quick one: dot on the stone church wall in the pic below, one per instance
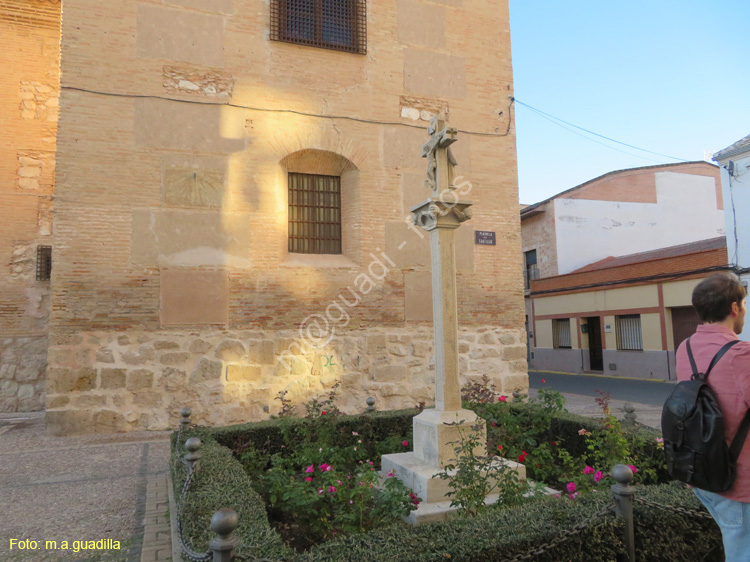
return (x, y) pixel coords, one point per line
(179, 124)
(110, 381)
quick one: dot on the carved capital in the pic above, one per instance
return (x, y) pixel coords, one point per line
(433, 213)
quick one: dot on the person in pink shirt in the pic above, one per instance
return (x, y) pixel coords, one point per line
(719, 301)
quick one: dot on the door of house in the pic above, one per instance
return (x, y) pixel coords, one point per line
(684, 323)
(596, 360)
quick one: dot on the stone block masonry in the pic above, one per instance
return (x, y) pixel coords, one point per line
(121, 381)
(22, 366)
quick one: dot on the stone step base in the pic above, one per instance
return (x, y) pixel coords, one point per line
(442, 510)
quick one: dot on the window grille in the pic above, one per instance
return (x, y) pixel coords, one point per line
(561, 333)
(531, 272)
(331, 24)
(628, 329)
(314, 214)
(43, 263)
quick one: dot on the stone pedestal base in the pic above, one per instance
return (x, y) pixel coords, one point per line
(437, 433)
(422, 480)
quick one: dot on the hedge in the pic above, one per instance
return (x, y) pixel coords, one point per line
(661, 535)
(270, 433)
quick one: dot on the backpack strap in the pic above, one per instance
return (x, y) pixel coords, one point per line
(719, 354)
(739, 438)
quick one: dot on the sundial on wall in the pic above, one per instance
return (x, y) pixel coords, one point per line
(193, 188)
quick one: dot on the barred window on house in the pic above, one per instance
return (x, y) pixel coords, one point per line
(628, 331)
(43, 263)
(314, 214)
(330, 24)
(561, 333)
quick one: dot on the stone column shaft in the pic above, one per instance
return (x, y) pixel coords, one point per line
(445, 319)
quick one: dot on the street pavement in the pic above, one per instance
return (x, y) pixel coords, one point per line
(642, 391)
(646, 396)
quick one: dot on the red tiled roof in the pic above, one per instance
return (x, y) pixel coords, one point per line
(661, 253)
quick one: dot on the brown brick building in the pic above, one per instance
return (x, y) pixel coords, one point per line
(233, 179)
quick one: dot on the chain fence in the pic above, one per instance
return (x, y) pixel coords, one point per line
(681, 510)
(572, 532)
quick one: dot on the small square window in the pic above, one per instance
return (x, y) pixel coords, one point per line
(628, 331)
(331, 24)
(43, 263)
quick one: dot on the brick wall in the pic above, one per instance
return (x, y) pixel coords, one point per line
(29, 41)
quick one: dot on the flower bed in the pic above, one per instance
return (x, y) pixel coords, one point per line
(224, 480)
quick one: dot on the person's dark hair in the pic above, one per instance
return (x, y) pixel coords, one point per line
(713, 297)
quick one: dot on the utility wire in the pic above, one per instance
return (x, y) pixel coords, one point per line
(557, 119)
(543, 116)
(274, 110)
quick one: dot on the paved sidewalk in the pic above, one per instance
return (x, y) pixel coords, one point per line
(98, 487)
(586, 406)
(81, 488)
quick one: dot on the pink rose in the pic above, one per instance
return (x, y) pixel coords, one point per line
(310, 468)
(598, 476)
(332, 489)
(571, 487)
(325, 467)
(405, 443)
(633, 468)
(588, 470)
(502, 398)
(308, 479)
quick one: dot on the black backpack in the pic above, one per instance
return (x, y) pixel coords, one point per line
(693, 429)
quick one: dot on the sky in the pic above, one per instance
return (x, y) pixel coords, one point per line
(669, 76)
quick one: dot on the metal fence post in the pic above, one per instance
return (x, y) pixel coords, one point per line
(630, 415)
(624, 494)
(223, 523)
(185, 420)
(193, 456)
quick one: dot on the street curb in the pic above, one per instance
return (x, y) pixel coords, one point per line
(176, 550)
(599, 376)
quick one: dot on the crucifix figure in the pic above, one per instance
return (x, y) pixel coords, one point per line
(440, 160)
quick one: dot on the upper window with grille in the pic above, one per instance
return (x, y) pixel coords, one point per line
(314, 214)
(628, 331)
(330, 24)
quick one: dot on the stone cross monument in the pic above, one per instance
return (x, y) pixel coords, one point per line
(436, 429)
